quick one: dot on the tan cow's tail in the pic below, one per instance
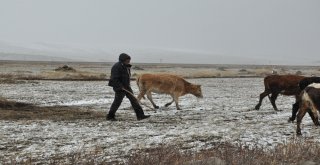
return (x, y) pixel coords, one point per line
(266, 86)
(138, 81)
(139, 84)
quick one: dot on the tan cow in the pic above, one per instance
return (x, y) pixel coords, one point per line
(173, 85)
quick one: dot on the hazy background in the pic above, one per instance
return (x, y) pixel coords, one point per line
(169, 31)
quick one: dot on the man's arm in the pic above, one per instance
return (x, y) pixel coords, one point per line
(117, 77)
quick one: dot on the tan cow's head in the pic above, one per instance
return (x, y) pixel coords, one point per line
(196, 91)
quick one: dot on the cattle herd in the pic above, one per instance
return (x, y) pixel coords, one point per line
(305, 89)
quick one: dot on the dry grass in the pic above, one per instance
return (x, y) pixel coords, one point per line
(11, 110)
(52, 75)
(6, 104)
(294, 152)
(79, 75)
(71, 74)
(7, 79)
(261, 71)
(18, 77)
(80, 158)
(10, 81)
(65, 68)
(101, 71)
(61, 73)
(205, 73)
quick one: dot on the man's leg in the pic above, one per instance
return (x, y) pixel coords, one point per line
(136, 106)
(115, 105)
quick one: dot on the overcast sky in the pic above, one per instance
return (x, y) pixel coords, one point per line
(244, 28)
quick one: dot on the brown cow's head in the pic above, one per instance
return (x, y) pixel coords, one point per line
(196, 91)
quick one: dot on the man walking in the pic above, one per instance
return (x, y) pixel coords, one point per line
(120, 81)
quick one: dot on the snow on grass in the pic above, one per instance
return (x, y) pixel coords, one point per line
(224, 114)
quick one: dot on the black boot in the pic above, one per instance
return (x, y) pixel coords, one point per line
(111, 118)
(143, 117)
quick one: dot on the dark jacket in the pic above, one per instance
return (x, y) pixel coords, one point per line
(120, 76)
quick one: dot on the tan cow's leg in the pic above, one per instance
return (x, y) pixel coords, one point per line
(141, 95)
(176, 100)
(149, 96)
(168, 104)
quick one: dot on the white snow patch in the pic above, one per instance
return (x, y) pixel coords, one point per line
(224, 114)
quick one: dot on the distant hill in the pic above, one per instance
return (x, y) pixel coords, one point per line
(50, 52)
(161, 55)
(173, 56)
(25, 57)
(67, 52)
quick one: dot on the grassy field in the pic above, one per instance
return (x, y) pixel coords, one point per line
(11, 110)
(294, 151)
(13, 70)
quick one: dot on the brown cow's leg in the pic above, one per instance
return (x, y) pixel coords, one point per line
(273, 99)
(301, 113)
(149, 96)
(295, 108)
(262, 96)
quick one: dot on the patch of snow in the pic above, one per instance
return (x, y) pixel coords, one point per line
(225, 114)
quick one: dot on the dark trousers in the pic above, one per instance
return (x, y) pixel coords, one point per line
(119, 95)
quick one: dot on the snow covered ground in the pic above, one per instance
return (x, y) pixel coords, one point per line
(225, 114)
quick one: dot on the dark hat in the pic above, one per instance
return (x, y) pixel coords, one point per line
(123, 57)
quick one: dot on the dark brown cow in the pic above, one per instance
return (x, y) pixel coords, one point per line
(307, 81)
(309, 102)
(173, 85)
(281, 84)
